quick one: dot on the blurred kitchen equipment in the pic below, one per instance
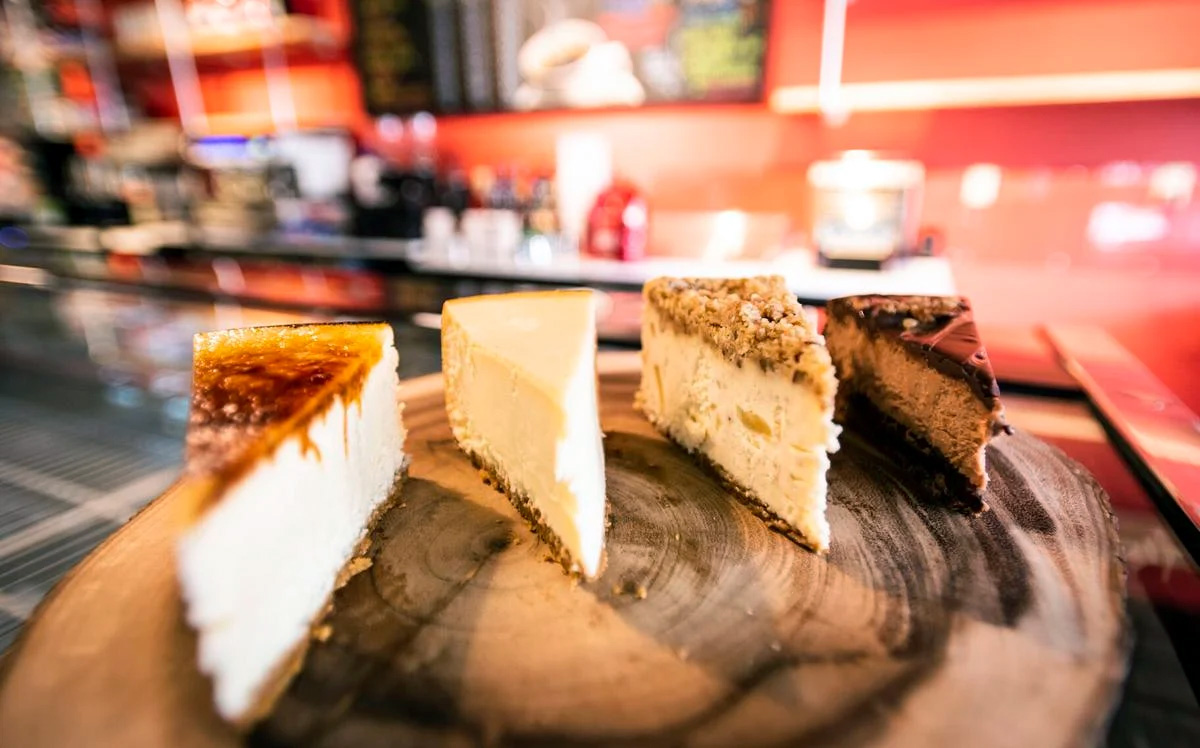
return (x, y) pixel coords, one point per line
(866, 209)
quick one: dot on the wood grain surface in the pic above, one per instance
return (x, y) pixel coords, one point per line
(921, 627)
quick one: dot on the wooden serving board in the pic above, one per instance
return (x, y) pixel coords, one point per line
(921, 627)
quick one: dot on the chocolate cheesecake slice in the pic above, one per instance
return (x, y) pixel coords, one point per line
(914, 378)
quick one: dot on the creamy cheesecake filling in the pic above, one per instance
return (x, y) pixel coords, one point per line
(770, 434)
(579, 458)
(541, 437)
(258, 566)
(944, 410)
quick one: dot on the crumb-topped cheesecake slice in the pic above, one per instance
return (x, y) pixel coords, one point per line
(735, 373)
(520, 373)
(915, 378)
(294, 445)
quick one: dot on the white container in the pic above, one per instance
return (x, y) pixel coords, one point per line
(492, 236)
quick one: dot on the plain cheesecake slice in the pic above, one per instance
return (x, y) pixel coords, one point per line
(294, 446)
(914, 378)
(735, 373)
(520, 373)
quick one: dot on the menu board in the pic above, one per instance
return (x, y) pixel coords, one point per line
(393, 54)
(519, 55)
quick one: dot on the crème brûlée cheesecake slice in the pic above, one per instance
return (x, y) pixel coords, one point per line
(295, 445)
(915, 379)
(735, 373)
(520, 373)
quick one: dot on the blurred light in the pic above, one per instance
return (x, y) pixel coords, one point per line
(852, 171)
(728, 235)
(176, 409)
(391, 127)
(125, 396)
(1113, 224)
(634, 215)
(604, 304)
(12, 237)
(584, 168)
(540, 252)
(859, 211)
(165, 384)
(229, 275)
(829, 86)
(980, 186)
(427, 320)
(990, 91)
(219, 150)
(862, 170)
(259, 148)
(1121, 174)
(1173, 182)
(424, 126)
(24, 276)
(227, 314)
(185, 78)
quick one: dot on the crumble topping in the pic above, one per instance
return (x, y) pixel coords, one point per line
(747, 319)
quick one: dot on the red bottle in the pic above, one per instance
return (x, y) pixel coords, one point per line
(617, 225)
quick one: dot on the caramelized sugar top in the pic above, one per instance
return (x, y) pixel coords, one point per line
(254, 387)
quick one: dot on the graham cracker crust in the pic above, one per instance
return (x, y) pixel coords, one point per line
(935, 479)
(290, 665)
(531, 514)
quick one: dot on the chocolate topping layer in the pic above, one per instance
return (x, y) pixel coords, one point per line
(939, 329)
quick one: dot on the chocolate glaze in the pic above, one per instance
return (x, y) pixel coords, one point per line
(939, 329)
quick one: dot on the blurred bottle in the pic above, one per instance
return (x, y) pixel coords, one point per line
(389, 201)
(616, 227)
(453, 191)
(415, 182)
(504, 191)
(414, 189)
(370, 200)
(390, 197)
(482, 179)
(541, 217)
(492, 226)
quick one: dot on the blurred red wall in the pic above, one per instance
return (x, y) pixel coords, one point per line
(1025, 260)
(748, 157)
